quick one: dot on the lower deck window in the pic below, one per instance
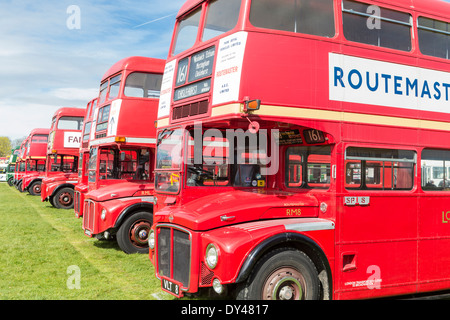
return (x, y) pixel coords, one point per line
(435, 166)
(379, 169)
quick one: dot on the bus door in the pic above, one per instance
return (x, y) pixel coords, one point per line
(434, 220)
(377, 226)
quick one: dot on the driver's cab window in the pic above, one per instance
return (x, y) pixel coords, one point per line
(217, 162)
(308, 167)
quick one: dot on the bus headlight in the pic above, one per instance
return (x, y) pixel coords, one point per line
(103, 215)
(151, 240)
(211, 256)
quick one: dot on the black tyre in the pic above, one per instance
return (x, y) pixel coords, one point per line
(283, 274)
(35, 188)
(10, 182)
(63, 199)
(132, 235)
(19, 186)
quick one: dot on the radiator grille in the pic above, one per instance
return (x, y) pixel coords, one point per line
(174, 254)
(76, 206)
(190, 110)
(89, 215)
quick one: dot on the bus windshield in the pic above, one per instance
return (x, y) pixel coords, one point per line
(168, 160)
(214, 160)
(125, 164)
(143, 85)
(221, 17)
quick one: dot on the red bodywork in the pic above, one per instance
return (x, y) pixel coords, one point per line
(62, 154)
(20, 167)
(368, 242)
(81, 187)
(36, 156)
(123, 124)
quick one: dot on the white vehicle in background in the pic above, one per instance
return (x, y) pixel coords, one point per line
(3, 172)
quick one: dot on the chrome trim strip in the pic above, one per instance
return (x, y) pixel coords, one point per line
(311, 225)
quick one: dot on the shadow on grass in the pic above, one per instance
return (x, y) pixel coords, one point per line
(107, 244)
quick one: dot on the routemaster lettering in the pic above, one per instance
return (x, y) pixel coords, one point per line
(381, 83)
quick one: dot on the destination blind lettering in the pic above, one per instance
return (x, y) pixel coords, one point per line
(201, 64)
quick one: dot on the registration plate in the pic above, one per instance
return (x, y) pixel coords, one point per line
(171, 287)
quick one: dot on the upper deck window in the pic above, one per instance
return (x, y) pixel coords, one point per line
(103, 91)
(114, 87)
(222, 17)
(39, 138)
(314, 17)
(434, 37)
(143, 85)
(377, 26)
(70, 123)
(187, 31)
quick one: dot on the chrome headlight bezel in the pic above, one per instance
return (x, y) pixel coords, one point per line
(151, 239)
(211, 256)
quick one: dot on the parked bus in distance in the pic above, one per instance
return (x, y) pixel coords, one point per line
(3, 170)
(20, 167)
(62, 157)
(83, 160)
(35, 161)
(119, 202)
(296, 141)
(12, 165)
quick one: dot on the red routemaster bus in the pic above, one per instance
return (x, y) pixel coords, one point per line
(83, 161)
(20, 166)
(120, 197)
(35, 161)
(328, 120)
(62, 157)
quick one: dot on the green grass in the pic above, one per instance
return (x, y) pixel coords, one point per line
(38, 244)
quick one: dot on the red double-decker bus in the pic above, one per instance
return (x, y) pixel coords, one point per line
(83, 161)
(119, 201)
(62, 157)
(20, 166)
(302, 150)
(35, 161)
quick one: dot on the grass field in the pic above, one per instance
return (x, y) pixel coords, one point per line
(45, 255)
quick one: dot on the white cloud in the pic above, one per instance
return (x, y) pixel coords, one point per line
(75, 94)
(46, 66)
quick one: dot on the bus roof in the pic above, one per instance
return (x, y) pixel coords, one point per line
(75, 112)
(189, 4)
(435, 7)
(143, 64)
(39, 131)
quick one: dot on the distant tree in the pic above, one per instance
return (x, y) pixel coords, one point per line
(17, 142)
(5, 146)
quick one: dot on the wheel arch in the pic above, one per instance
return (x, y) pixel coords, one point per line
(33, 181)
(128, 211)
(296, 241)
(64, 185)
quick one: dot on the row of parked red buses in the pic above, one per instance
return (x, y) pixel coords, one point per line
(285, 150)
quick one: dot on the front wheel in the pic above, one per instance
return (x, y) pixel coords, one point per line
(283, 274)
(10, 182)
(63, 199)
(132, 235)
(35, 188)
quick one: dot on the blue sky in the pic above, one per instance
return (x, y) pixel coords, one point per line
(46, 65)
